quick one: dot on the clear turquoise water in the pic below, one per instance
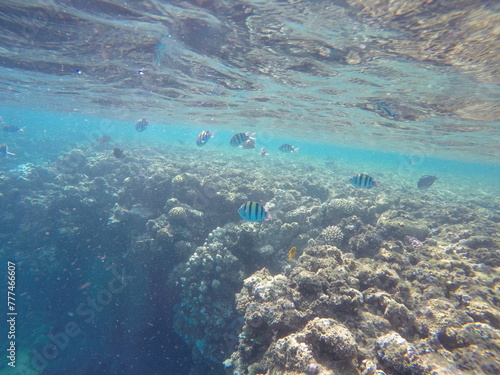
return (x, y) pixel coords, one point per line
(47, 134)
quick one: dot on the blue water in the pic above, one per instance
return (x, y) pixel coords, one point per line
(49, 133)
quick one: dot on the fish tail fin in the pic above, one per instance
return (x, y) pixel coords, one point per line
(276, 208)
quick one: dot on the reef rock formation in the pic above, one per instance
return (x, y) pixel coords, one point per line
(336, 314)
(383, 281)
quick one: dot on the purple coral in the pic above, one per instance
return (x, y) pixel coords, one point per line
(313, 368)
(414, 242)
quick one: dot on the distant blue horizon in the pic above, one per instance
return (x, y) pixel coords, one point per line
(43, 122)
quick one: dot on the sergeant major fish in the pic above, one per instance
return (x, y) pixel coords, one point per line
(363, 180)
(288, 148)
(204, 136)
(238, 139)
(141, 124)
(254, 211)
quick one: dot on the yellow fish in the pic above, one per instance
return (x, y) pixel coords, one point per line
(292, 252)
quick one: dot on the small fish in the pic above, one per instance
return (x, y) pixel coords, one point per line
(118, 153)
(292, 252)
(426, 182)
(13, 129)
(85, 285)
(413, 241)
(363, 180)
(141, 124)
(103, 139)
(288, 148)
(4, 151)
(204, 136)
(263, 152)
(249, 145)
(253, 211)
(238, 139)
(381, 106)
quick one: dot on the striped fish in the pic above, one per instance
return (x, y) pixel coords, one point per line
(363, 180)
(204, 136)
(238, 139)
(141, 124)
(253, 211)
(288, 148)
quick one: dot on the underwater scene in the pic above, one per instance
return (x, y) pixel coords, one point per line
(250, 187)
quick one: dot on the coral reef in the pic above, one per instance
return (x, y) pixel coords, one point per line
(331, 235)
(338, 208)
(382, 282)
(387, 322)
